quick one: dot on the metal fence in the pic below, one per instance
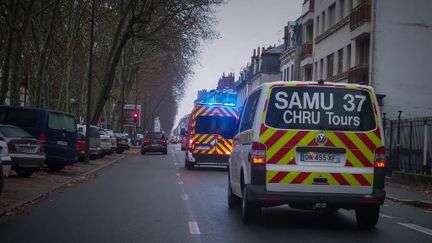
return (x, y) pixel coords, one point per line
(409, 144)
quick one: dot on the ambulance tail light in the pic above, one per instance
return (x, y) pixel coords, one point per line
(258, 153)
(380, 158)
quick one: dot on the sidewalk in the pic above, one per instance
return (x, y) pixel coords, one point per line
(20, 193)
(415, 195)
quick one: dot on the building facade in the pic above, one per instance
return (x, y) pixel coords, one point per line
(289, 58)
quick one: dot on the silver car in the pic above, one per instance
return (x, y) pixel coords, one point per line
(26, 152)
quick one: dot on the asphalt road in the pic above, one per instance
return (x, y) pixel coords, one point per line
(153, 198)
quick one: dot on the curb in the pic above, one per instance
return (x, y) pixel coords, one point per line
(415, 203)
(57, 187)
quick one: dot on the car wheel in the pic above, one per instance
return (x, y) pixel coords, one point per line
(55, 166)
(249, 210)
(80, 158)
(119, 151)
(165, 152)
(1, 180)
(233, 200)
(188, 165)
(93, 157)
(367, 217)
(25, 172)
(143, 152)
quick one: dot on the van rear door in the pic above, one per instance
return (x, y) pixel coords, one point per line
(320, 139)
(61, 136)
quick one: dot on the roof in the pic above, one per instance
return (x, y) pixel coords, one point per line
(315, 83)
(275, 50)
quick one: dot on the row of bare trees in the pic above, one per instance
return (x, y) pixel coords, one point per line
(144, 51)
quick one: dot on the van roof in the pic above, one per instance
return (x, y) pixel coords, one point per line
(315, 84)
(33, 109)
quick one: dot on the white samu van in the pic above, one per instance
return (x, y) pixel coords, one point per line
(311, 145)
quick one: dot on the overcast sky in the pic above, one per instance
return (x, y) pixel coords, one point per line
(243, 26)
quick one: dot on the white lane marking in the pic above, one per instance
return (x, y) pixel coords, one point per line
(418, 228)
(177, 174)
(180, 182)
(428, 211)
(178, 149)
(185, 197)
(193, 228)
(175, 163)
(386, 216)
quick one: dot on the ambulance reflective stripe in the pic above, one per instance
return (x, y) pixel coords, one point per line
(216, 111)
(307, 178)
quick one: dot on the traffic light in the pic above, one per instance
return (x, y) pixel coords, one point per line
(135, 116)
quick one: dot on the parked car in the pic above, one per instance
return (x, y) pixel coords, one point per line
(4, 156)
(105, 142)
(55, 129)
(154, 142)
(113, 139)
(26, 152)
(1, 176)
(95, 147)
(126, 135)
(122, 142)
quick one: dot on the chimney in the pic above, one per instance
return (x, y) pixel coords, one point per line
(259, 51)
(254, 52)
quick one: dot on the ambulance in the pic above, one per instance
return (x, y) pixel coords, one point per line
(311, 145)
(209, 134)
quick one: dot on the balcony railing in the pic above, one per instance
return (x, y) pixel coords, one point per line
(360, 15)
(306, 50)
(359, 74)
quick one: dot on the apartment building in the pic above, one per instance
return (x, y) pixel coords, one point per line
(289, 58)
(385, 44)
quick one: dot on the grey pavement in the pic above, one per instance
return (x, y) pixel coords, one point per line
(152, 198)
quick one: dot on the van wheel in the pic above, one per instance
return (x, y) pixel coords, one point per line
(249, 210)
(188, 165)
(367, 217)
(25, 172)
(55, 166)
(233, 200)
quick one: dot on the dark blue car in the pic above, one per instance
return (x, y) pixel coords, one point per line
(56, 129)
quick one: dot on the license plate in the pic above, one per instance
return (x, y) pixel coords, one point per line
(26, 149)
(64, 143)
(202, 147)
(319, 157)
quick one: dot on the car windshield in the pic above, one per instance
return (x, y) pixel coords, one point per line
(14, 132)
(154, 136)
(313, 108)
(221, 125)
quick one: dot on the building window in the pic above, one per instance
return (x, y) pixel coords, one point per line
(332, 15)
(323, 22)
(362, 52)
(321, 71)
(316, 71)
(342, 9)
(317, 24)
(348, 61)
(330, 65)
(292, 72)
(340, 60)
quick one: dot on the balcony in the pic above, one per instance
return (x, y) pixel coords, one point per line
(360, 15)
(308, 7)
(359, 74)
(306, 50)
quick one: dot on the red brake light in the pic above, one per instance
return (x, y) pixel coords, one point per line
(43, 138)
(146, 142)
(80, 145)
(380, 158)
(162, 141)
(258, 153)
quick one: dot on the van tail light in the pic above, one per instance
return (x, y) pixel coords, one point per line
(258, 153)
(380, 157)
(11, 147)
(43, 138)
(146, 142)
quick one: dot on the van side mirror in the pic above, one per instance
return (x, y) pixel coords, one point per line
(183, 132)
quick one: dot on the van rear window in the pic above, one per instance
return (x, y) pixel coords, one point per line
(323, 108)
(221, 125)
(18, 117)
(59, 121)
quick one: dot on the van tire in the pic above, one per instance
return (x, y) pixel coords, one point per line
(25, 171)
(233, 200)
(55, 166)
(367, 217)
(188, 165)
(249, 210)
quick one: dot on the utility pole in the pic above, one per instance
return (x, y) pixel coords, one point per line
(89, 84)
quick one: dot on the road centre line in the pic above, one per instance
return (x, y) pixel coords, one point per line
(185, 197)
(180, 182)
(386, 216)
(177, 174)
(417, 228)
(193, 228)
